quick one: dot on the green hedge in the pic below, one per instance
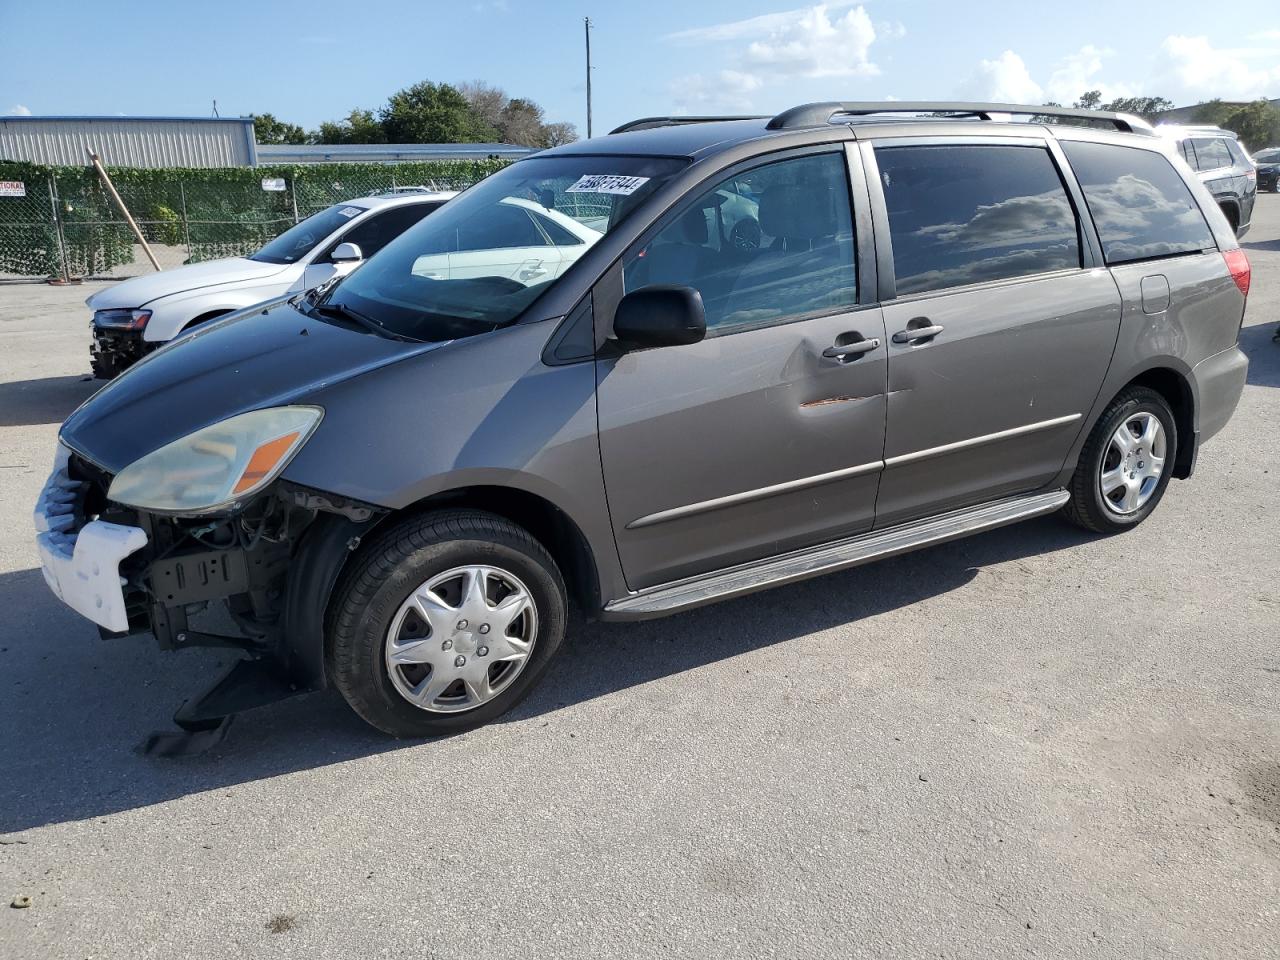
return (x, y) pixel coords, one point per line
(213, 212)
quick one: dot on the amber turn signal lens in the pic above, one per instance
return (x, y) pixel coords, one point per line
(264, 460)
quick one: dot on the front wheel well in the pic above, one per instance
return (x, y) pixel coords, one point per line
(1176, 391)
(204, 318)
(548, 524)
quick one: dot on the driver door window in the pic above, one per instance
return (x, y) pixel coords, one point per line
(376, 232)
(766, 246)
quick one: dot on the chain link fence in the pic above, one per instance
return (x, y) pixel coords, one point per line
(61, 223)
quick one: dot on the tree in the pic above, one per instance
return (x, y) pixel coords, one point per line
(486, 103)
(1212, 113)
(430, 113)
(267, 129)
(521, 124)
(1149, 108)
(1089, 100)
(427, 112)
(1257, 124)
(360, 126)
(558, 134)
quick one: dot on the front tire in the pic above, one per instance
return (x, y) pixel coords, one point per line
(444, 623)
(1125, 465)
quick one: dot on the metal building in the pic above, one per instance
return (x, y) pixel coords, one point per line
(130, 141)
(387, 152)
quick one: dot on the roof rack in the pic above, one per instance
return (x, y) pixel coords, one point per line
(649, 123)
(821, 114)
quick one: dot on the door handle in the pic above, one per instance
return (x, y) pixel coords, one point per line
(912, 334)
(855, 349)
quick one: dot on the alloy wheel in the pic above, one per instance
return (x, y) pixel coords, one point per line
(1133, 464)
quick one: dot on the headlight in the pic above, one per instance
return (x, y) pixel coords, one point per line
(121, 319)
(219, 465)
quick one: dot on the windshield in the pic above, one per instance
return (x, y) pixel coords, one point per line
(1267, 156)
(300, 239)
(480, 260)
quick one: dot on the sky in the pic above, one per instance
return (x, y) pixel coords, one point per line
(316, 60)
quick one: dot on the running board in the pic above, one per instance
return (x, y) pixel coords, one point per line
(829, 557)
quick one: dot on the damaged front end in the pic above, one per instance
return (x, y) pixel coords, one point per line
(255, 578)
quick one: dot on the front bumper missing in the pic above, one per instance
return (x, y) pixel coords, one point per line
(272, 566)
(81, 563)
(114, 350)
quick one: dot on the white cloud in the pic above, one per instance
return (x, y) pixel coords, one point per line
(1004, 79)
(727, 90)
(1077, 73)
(825, 40)
(18, 110)
(1193, 67)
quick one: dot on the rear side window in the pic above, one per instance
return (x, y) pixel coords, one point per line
(968, 213)
(1140, 205)
(1211, 153)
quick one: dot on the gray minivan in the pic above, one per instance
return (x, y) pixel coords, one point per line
(785, 347)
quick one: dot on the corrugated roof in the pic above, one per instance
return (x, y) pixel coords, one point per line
(386, 152)
(130, 141)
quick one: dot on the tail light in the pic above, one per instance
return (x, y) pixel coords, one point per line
(1241, 272)
(1251, 174)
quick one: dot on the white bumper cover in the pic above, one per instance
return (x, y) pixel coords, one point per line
(82, 566)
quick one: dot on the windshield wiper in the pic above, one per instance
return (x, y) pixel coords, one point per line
(342, 310)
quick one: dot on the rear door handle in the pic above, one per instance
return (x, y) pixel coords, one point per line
(912, 334)
(855, 349)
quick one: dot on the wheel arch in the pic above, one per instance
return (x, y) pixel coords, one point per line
(1230, 207)
(332, 543)
(551, 526)
(207, 316)
(1176, 389)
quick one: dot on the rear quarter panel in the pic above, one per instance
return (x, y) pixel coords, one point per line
(1202, 319)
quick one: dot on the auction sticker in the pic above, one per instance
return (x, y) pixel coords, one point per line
(350, 211)
(608, 183)
(12, 188)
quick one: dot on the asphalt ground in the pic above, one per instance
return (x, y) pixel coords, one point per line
(1032, 742)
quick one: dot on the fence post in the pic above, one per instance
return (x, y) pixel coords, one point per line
(186, 224)
(393, 178)
(293, 195)
(57, 226)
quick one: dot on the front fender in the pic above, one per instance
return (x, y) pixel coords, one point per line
(170, 315)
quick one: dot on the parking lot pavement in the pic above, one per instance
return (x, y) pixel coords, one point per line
(1035, 741)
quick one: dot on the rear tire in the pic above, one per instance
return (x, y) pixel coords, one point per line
(1125, 464)
(422, 638)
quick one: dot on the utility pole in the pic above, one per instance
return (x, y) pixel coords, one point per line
(586, 23)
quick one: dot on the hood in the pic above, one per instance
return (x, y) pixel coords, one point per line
(139, 291)
(274, 357)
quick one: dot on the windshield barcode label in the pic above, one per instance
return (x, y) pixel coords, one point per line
(607, 183)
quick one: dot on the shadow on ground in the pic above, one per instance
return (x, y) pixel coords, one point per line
(51, 400)
(1263, 353)
(74, 707)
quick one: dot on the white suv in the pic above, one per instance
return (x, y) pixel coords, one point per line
(132, 318)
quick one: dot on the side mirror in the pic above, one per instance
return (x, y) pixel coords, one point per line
(346, 253)
(660, 316)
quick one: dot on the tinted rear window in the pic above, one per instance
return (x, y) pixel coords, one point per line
(1211, 153)
(968, 213)
(1140, 205)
